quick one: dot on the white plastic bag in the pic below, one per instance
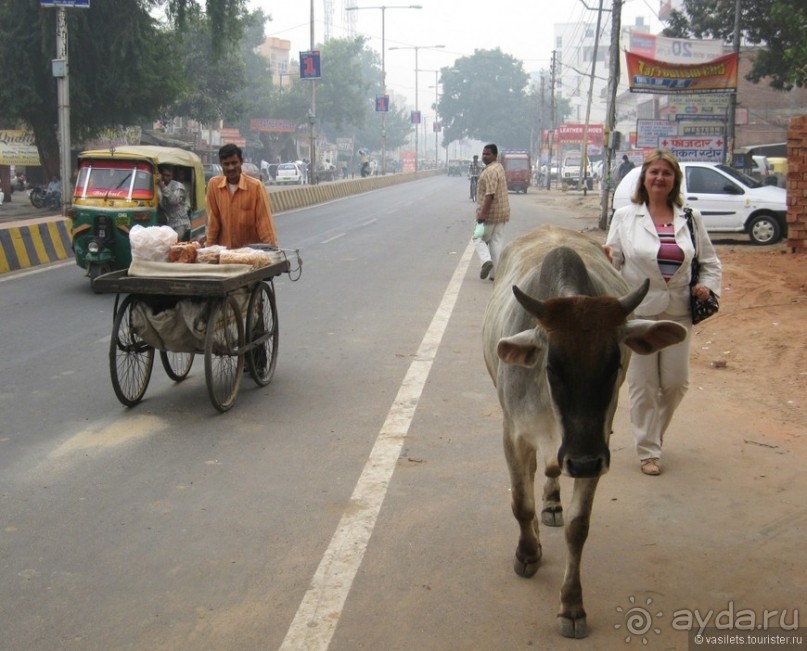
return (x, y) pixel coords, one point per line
(151, 243)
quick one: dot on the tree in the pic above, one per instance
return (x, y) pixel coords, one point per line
(124, 66)
(484, 98)
(778, 25)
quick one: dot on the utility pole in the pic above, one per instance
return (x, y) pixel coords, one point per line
(732, 116)
(610, 118)
(584, 152)
(551, 124)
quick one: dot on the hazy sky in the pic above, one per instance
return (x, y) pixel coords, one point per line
(521, 28)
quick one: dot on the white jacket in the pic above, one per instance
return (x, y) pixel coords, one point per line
(634, 246)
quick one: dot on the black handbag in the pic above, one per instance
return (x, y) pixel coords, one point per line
(699, 308)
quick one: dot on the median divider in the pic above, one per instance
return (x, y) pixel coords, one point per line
(29, 244)
(32, 242)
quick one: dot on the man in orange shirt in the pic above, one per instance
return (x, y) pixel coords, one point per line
(238, 212)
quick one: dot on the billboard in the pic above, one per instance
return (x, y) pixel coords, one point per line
(18, 148)
(646, 75)
(708, 149)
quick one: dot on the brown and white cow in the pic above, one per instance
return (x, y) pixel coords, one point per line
(557, 341)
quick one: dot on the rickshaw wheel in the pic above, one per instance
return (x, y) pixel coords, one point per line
(224, 358)
(262, 324)
(130, 358)
(176, 365)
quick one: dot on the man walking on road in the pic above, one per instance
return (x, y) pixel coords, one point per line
(493, 210)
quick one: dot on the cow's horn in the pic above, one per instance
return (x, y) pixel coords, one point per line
(532, 305)
(631, 301)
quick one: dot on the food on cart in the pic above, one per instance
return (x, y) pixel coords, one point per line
(151, 242)
(184, 252)
(210, 254)
(246, 255)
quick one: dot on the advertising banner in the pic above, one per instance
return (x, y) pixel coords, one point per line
(704, 149)
(646, 75)
(275, 125)
(310, 65)
(572, 134)
(18, 148)
(649, 131)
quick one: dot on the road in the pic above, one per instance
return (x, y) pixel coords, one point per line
(360, 501)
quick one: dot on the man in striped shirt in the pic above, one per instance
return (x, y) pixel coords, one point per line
(238, 212)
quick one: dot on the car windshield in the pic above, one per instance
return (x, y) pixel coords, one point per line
(109, 179)
(739, 176)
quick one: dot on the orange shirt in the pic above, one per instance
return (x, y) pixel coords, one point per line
(240, 218)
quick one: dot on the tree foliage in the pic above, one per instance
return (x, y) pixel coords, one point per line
(484, 98)
(117, 61)
(777, 25)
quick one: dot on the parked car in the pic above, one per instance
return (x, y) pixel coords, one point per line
(211, 170)
(290, 174)
(730, 201)
(250, 169)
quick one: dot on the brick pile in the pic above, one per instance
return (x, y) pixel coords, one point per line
(797, 185)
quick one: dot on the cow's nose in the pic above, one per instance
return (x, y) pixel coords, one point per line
(582, 467)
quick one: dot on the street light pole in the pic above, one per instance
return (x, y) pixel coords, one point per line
(416, 48)
(312, 150)
(383, 9)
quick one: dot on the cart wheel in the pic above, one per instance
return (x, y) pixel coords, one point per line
(262, 325)
(224, 361)
(176, 365)
(130, 358)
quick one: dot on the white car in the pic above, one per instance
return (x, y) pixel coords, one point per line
(289, 174)
(729, 201)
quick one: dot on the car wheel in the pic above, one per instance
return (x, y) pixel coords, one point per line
(764, 229)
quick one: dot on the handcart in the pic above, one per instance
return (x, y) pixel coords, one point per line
(233, 322)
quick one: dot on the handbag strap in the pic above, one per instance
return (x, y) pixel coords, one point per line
(695, 266)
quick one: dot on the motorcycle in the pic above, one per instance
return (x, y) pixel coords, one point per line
(37, 196)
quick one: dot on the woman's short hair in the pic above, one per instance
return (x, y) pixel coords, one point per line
(640, 195)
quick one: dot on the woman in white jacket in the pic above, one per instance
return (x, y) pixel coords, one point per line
(651, 239)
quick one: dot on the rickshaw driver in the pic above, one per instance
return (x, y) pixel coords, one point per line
(238, 211)
(173, 202)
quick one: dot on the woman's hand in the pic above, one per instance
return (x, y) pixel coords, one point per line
(701, 291)
(609, 253)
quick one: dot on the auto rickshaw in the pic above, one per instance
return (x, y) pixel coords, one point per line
(117, 188)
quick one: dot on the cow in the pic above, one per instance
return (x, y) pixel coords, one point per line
(557, 341)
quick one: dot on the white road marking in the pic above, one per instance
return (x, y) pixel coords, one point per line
(319, 612)
(331, 239)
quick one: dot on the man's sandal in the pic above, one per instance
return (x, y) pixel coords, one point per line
(651, 466)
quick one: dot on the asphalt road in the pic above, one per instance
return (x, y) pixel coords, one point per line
(360, 501)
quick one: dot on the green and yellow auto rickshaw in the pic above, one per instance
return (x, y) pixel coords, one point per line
(117, 188)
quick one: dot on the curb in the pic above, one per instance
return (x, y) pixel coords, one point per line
(25, 244)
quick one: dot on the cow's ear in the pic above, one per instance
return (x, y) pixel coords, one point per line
(523, 349)
(647, 337)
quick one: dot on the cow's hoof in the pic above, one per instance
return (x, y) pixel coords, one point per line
(575, 628)
(552, 517)
(526, 568)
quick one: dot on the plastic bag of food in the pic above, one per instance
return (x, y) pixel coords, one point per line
(152, 242)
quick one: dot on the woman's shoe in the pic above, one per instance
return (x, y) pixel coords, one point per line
(651, 466)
